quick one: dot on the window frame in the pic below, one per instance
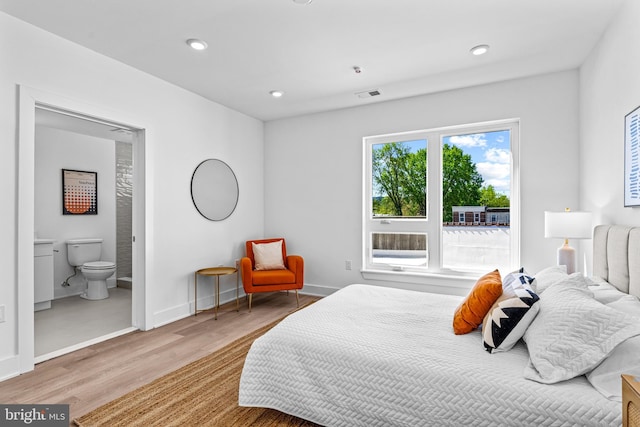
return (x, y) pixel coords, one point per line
(432, 224)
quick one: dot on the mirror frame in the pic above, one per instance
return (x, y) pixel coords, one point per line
(217, 194)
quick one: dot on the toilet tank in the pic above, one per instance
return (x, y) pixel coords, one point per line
(80, 251)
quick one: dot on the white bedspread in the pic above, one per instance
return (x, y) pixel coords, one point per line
(373, 356)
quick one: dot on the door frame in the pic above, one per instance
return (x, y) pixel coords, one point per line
(29, 99)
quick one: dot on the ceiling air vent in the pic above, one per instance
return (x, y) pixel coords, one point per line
(368, 93)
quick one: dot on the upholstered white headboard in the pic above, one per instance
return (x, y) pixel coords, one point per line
(616, 256)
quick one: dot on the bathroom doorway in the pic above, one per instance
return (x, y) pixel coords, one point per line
(33, 104)
(64, 319)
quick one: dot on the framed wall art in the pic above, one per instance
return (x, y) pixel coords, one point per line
(632, 158)
(79, 192)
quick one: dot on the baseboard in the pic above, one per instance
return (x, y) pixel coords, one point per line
(317, 290)
(9, 368)
(182, 311)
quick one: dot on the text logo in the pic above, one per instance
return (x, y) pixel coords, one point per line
(34, 415)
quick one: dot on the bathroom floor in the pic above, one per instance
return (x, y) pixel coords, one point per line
(74, 320)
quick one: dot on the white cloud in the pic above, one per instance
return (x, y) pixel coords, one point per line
(474, 140)
(498, 155)
(490, 170)
(496, 174)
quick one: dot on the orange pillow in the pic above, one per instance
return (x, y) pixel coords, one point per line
(471, 312)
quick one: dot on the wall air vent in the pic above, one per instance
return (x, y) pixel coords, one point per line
(368, 93)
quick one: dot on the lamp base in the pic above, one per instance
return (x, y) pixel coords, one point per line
(567, 256)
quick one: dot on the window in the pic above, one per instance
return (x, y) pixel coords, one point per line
(442, 200)
(398, 203)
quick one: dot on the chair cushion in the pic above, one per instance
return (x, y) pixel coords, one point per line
(268, 256)
(273, 277)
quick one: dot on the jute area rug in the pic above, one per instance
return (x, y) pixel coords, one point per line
(202, 393)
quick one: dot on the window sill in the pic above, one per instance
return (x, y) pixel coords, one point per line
(459, 281)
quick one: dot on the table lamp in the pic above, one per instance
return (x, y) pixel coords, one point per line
(567, 225)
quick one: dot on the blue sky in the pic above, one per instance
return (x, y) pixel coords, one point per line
(490, 152)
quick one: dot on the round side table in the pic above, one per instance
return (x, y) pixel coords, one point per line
(215, 272)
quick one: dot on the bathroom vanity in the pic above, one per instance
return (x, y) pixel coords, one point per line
(43, 273)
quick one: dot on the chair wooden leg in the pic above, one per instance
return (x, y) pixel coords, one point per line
(297, 299)
(250, 298)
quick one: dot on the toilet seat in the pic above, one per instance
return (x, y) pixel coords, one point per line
(98, 265)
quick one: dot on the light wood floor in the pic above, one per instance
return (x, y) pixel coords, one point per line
(93, 376)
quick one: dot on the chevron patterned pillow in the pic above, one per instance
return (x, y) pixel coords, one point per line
(511, 315)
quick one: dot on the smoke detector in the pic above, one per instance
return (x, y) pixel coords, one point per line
(369, 93)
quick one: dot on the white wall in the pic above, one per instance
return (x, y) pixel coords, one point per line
(313, 167)
(182, 129)
(57, 149)
(609, 89)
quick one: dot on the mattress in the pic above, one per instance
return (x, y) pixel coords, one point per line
(374, 356)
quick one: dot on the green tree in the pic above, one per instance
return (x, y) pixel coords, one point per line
(415, 185)
(400, 176)
(489, 197)
(461, 181)
(389, 175)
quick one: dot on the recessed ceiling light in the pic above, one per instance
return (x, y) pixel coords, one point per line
(276, 93)
(197, 44)
(302, 1)
(480, 49)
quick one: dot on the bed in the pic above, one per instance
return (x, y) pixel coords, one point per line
(376, 356)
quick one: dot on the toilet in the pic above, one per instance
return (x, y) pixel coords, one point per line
(84, 255)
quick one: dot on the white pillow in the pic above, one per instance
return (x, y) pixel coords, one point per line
(573, 280)
(604, 291)
(547, 277)
(573, 333)
(624, 359)
(268, 256)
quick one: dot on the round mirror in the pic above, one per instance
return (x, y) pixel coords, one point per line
(214, 189)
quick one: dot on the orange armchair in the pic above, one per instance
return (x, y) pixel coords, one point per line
(261, 280)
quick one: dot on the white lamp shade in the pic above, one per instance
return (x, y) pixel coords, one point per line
(567, 225)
